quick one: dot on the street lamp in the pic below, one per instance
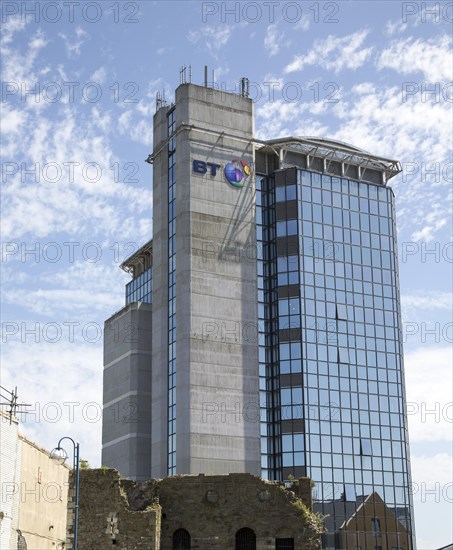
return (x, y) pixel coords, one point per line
(59, 455)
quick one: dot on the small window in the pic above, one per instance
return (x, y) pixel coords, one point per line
(181, 540)
(342, 313)
(284, 544)
(245, 539)
(365, 449)
(349, 492)
(343, 355)
(376, 526)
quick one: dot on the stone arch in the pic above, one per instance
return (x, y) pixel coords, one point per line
(245, 539)
(181, 540)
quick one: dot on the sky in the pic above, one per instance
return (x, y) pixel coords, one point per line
(79, 82)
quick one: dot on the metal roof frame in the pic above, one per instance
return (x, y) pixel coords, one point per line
(138, 258)
(333, 151)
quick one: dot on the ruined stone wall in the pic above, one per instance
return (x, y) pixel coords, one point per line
(106, 521)
(125, 515)
(214, 508)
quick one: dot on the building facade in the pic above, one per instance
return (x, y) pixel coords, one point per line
(33, 492)
(276, 344)
(227, 512)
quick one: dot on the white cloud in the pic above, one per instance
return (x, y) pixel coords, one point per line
(85, 289)
(431, 57)
(134, 122)
(427, 233)
(38, 206)
(431, 470)
(334, 53)
(18, 68)
(303, 24)
(394, 27)
(12, 120)
(99, 75)
(273, 39)
(428, 372)
(79, 211)
(414, 132)
(211, 37)
(59, 301)
(276, 119)
(139, 131)
(37, 42)
(12, 25)
(432, 490)
(43, 366)
(219, 72)
(428, 300)
(74, 44)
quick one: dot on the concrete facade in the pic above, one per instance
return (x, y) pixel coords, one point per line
(126, 434)
(216, 377)
(212, 374)
(210, 509)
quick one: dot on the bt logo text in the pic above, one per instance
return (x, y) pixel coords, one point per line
(201, 167)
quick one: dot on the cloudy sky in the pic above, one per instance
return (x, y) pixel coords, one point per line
(78, 96)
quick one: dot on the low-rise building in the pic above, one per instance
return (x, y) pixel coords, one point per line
(34, 493)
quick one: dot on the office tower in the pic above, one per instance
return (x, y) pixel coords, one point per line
(198, 383)
(275, 325)
(332, 382)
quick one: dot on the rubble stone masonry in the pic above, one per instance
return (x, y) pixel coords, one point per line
(115, 513)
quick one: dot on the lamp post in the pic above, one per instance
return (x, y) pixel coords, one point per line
(59, 455)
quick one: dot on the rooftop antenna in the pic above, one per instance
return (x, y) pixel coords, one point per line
(245, 87)
(190, 74)
(182, 75)
(205, 76)
(11, 401)
(160, 100)
(213, 79)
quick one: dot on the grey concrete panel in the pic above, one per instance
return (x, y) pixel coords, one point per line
(126, 421)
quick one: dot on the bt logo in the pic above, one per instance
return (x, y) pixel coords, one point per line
(236, 171)
(201, 167)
